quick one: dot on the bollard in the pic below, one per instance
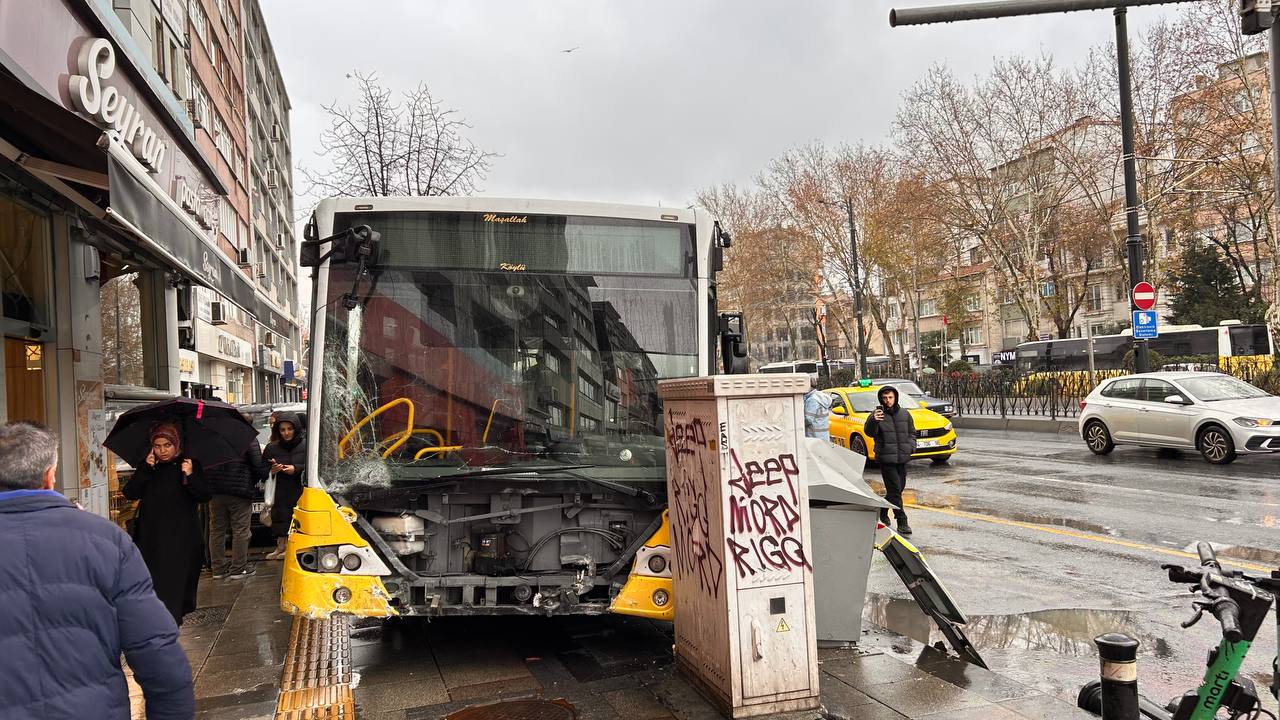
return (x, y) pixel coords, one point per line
(1119, 656)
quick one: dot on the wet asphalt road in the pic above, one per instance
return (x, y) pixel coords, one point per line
(1044, 546)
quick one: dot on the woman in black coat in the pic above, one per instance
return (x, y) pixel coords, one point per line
(170, 488)
(286, 455)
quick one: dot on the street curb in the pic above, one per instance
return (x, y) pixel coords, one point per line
(1017, 424)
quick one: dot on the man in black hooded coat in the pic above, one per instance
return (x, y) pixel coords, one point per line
(894, 432)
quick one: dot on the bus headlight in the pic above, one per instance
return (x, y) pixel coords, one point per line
(328, 561)
(657, 564)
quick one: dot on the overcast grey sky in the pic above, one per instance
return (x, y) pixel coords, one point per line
(662, 97)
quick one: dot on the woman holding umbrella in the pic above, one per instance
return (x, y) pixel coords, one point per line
(286, 454)
(170, 487)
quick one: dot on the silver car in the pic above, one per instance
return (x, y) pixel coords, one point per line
(1218, 415)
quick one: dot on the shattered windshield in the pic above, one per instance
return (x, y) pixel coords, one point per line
(439, 369)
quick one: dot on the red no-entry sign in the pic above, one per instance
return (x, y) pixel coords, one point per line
(1144, 296)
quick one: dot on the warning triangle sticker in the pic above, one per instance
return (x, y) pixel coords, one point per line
(782, 625)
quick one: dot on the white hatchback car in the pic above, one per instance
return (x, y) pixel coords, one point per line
(1216, 414)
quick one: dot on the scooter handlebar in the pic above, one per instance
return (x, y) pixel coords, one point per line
(1206, 553)
(1228, 614)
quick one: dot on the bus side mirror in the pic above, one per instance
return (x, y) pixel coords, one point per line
(360, 244)
(732, 331)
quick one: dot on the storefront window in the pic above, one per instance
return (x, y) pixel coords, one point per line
(24, 283)
(24, 268)
(123, 361)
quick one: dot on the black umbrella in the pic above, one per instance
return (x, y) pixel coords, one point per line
(212, 432)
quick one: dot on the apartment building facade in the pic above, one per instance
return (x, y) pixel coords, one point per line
(125, 210)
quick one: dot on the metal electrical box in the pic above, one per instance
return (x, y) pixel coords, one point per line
(843, 512)
(740, 535)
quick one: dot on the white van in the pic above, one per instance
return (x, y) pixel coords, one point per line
(808, 367)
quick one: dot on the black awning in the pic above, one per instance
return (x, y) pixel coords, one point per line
(39, 126)
(160, 226)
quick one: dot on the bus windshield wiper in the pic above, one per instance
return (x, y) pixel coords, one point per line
(512, 472)
(502, 471)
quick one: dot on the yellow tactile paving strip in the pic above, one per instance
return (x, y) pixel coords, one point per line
(316, 681)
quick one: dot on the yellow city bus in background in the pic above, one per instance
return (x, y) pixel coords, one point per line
(1232, 347)
(485, 435)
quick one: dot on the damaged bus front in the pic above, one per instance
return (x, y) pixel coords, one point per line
(485, 432)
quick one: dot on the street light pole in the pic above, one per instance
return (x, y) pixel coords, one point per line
(857, 291)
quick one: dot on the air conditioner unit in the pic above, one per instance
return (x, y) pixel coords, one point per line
(273, 178)
(218, 313)
(277, 132)
(268, 340)
(193, 109)
(261, 269)
(242, 257)
(279, 241)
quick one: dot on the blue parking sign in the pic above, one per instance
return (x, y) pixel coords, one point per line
(1146, 325)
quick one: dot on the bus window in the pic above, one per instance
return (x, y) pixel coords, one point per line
(806, 367)
(1249, 340)
(1187, 342)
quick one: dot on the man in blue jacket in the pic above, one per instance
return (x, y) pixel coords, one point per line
(75, 595)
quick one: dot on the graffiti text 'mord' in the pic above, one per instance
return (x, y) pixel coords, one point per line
(765, 533)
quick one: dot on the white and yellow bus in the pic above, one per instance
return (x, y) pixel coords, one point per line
(485, 435)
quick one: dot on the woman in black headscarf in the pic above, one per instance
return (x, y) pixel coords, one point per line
(286, 455)
(170, 488)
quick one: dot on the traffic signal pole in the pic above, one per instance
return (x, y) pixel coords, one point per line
(1015, 8)
(1133, 238)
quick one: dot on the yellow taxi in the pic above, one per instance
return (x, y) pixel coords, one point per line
(850, 407)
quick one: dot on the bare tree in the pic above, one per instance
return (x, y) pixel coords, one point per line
(382, 146)
(1003, 160)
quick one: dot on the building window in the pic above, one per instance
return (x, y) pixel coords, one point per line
(928, 308)
(199, 24)
(975, 255)
(586, 423)
(555, 415)
(1048, 289)
(894, 311)
(552, 361)
(160, 49)
(973, 336)
(1093, 298)
(215, 58)
(588, 388)
(221, 138)
(200, 99)
(972, 303)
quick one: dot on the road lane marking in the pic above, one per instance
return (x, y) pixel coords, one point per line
(1088, 536)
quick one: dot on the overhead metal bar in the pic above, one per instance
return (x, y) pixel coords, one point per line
(1006, 8)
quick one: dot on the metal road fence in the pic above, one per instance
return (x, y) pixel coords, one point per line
(1056, 395)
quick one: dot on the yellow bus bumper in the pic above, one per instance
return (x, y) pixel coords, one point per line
(648, 593)
(318, 521)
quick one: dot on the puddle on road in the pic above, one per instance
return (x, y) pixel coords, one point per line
(943, 501)
(1061, 631)
(1241, 552)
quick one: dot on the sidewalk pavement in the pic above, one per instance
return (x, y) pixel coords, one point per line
(236, 642)
(604, 668)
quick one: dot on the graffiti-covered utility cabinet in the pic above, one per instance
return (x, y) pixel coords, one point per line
(742, 568)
